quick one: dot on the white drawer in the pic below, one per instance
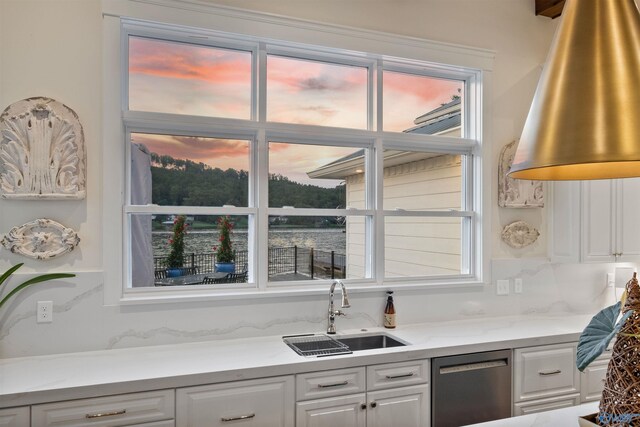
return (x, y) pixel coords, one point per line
(166, 423)
(397, 374)
(14, 417)
(111, 411)
(265, 402)
(592, 380)
(315, 385)
(545, 371)
(542, 405)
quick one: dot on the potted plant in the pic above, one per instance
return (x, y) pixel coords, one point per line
(225, 255)
(175, 258)
(619, 404)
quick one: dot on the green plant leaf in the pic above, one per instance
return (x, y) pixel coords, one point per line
(598, 334)
(32, 281)
(9, 272)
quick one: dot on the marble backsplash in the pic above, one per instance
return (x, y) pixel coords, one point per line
(82, 322)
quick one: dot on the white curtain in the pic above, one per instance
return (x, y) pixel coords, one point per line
(142, 270)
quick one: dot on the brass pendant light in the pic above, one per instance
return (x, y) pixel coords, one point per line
(584, 122)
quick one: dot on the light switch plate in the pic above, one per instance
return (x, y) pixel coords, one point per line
(517, 285)
(502, 287)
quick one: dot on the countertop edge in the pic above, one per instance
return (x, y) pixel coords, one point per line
(287, 367)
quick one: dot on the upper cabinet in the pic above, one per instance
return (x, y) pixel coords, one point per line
(595, 221)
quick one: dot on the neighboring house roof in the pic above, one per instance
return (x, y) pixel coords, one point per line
(437, 121)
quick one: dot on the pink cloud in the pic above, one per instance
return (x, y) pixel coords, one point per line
(182, 61)
(294, 75)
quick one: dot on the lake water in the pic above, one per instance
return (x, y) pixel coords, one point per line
(202, 241)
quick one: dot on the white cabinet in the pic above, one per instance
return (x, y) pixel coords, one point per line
(611, 225)
(545, 378)
(403, 406)
(344, 411)
(14, 417)
(542, 405)
(122, 410)
(396, 394)
(593, 377)
(266, 402)
(595, 221)
(337, 382)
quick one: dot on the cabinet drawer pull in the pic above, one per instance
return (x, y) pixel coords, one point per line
(105, 414)
(241, 417)
(333, 385)
(393, 377)
(545, 373)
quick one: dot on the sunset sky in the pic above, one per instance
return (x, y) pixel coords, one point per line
(179, 78)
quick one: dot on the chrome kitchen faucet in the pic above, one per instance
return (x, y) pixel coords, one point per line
(331, 327)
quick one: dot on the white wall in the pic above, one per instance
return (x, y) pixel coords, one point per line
(53, 48)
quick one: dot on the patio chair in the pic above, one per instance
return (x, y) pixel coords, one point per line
(214, 280)
(237, 277)
(229, 278)
(188, 271)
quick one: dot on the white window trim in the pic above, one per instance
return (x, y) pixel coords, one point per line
(212, 18)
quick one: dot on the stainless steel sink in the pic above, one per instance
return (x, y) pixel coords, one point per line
(370, 342)
(324, 345)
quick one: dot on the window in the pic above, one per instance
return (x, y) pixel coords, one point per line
(327, 163)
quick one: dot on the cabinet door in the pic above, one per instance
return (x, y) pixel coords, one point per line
(405, 406)
(598, 225)
(343, 411)
(14, 417)
(628, 219)
(592, 380)
(258, 403)
(564, 221)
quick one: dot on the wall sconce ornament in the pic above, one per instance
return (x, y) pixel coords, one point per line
(41, 239)
(516, 193)
(519, 234)
(42, 153)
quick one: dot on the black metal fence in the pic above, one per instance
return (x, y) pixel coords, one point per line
(290, 260)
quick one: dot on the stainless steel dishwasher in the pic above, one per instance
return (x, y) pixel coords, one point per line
(470, 388)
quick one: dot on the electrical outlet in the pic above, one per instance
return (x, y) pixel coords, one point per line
(611, 280)
(502, 287)
(44, 310)
(517, 285)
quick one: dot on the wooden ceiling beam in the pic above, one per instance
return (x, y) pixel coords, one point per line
(549, 8)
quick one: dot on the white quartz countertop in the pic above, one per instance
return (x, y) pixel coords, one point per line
(564, 417)
(29, 380)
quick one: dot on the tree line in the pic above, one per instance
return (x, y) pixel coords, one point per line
(183, 182)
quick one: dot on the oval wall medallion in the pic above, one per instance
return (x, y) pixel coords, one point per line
(519, 234)
(41, 239)
(42, 152)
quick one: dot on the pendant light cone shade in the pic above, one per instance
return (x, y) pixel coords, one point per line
(584, 122)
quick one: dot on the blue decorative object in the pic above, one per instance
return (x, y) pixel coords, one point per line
(225, 267)
(174, 272)
(598, 334)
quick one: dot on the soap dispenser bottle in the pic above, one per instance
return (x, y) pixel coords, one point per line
(389, 312)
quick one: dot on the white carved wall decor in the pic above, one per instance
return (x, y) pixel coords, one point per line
(519, 234)
(42, 153)
(516, 193)
(41, 239)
